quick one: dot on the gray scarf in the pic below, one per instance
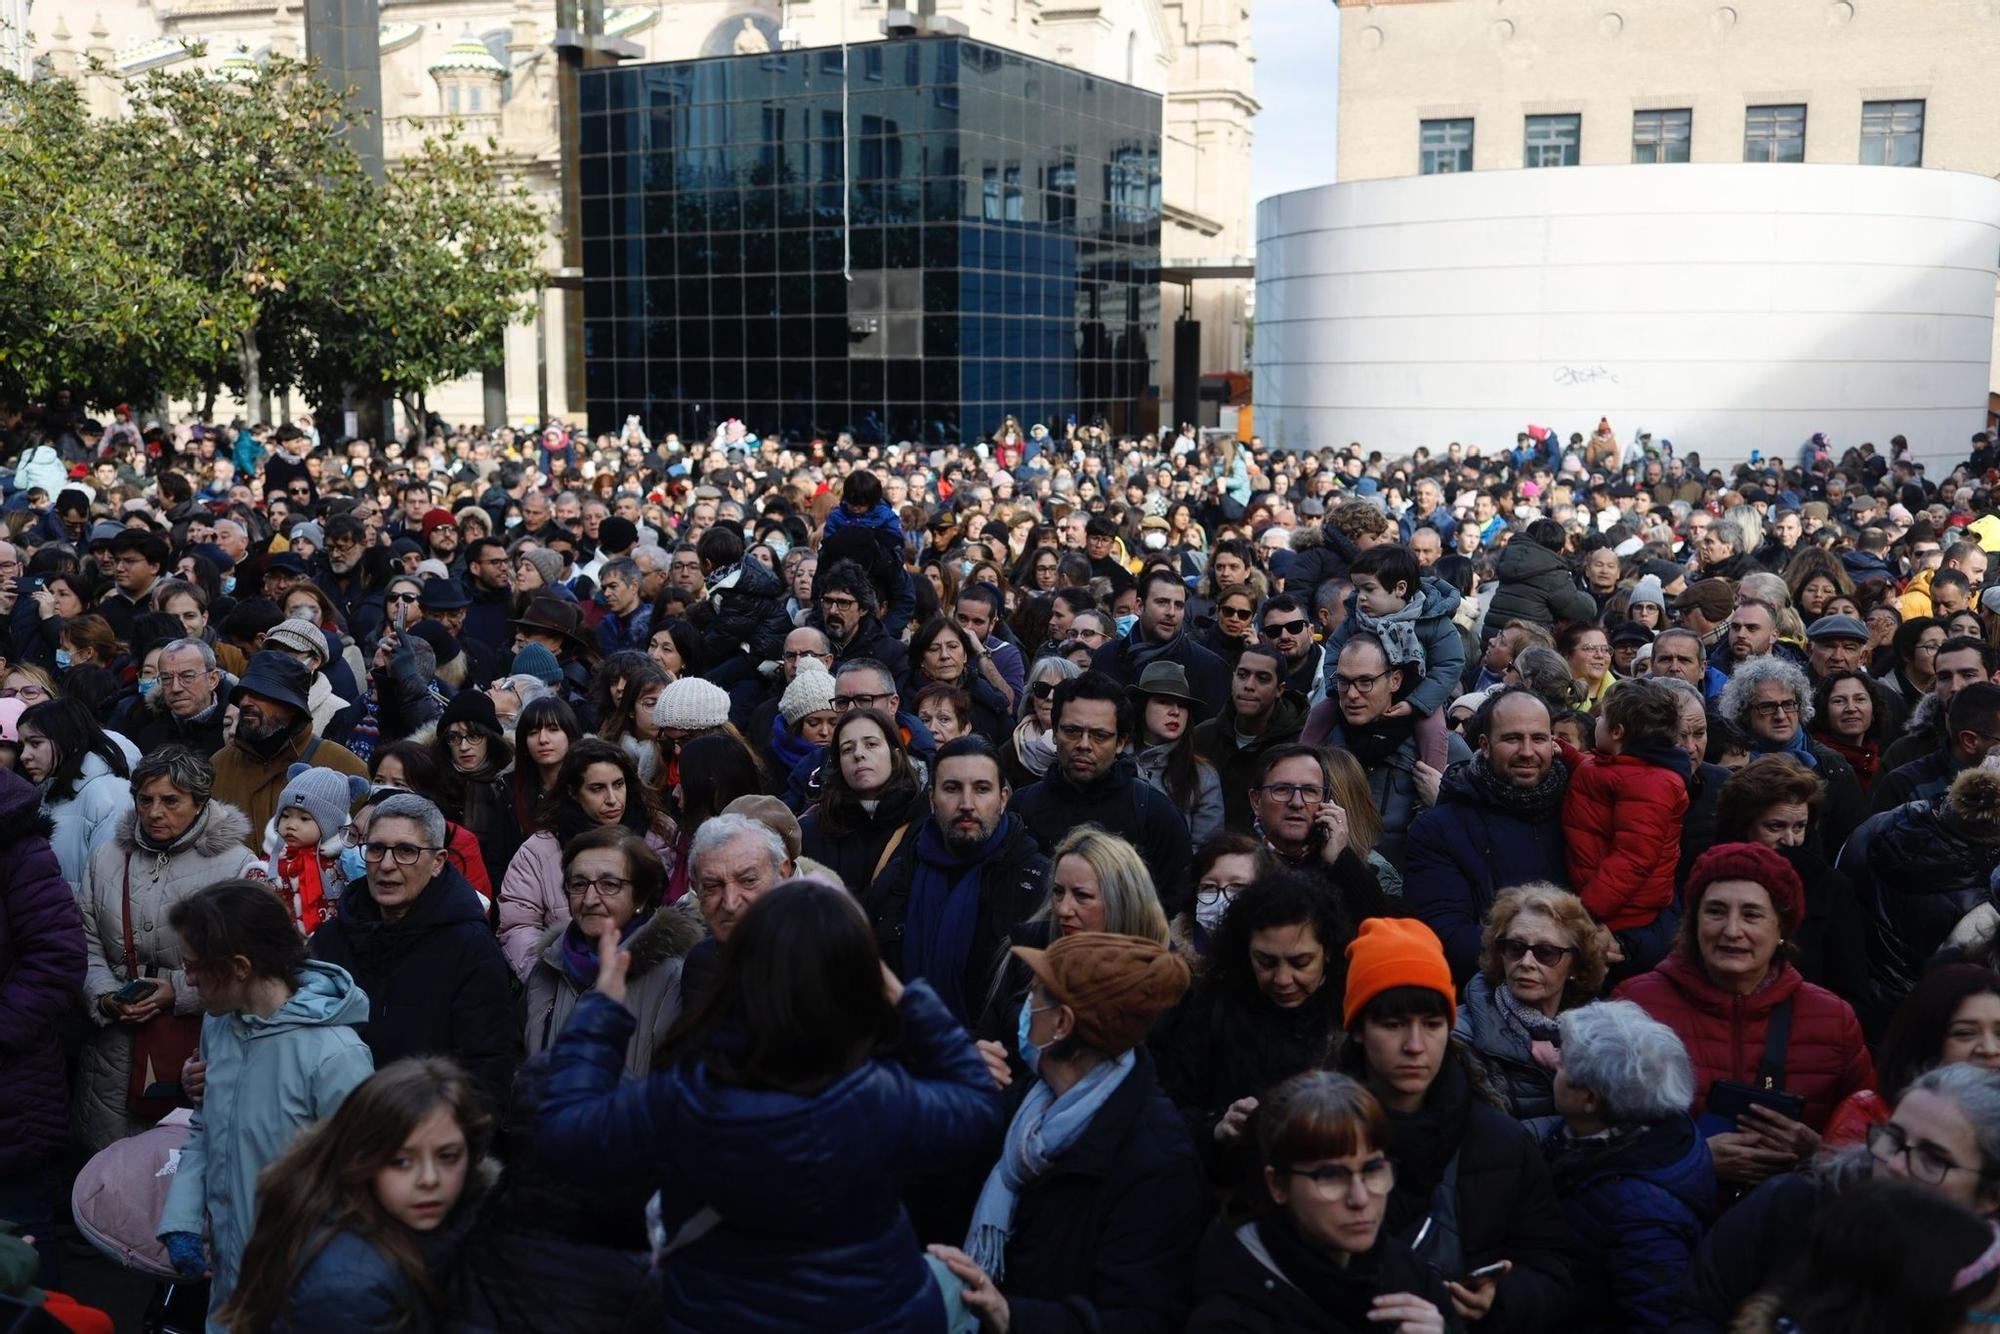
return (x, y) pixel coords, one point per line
(1398, 633)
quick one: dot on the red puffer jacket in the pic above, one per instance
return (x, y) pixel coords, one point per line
(1825, 1060)
(1622, 825)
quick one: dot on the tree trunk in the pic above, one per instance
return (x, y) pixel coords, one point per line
(249, 359)
(208, 391)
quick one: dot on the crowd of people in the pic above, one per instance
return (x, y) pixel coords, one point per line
(528, 881)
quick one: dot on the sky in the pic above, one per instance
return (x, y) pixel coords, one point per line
(1297, 43)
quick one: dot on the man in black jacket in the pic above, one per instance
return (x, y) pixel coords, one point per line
(969, 833)
(1093, 782)
(849, 612)
(1161, 633)
(190, 701)
(414, 935)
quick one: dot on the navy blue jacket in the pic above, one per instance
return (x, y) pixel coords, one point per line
(803, 1192)
(1461, 853)
(1637, 1207)
(1208, 675)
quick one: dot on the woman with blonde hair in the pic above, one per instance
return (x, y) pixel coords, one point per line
(1364, 822)
(1540, 954)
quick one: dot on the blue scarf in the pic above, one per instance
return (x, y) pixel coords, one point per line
(1044, 1128)
(789, 746)
(579, 952)
(1798, 748)
(944, 911)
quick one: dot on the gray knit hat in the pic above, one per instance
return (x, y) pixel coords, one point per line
(1648, 590)
(691, 704)
(327, 795)
(547, 563)
(309, 531)
(810, 692)
(301, 636)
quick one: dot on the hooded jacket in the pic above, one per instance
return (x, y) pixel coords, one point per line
(658, 948)
(41, 970)
(1464, 851)
(1237, 764)
(1537, 586)
(1622, 815)
(437, 984)
(1637, 1205)
(749, 614)
(1122, 803)
(1825, 1059)
(1436, 630)
(268, 1079)
(1916, 871)
(800, 1193)
(1321, 552)
(211, 849)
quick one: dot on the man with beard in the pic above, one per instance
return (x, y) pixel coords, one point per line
(1497, 822)
(849, 613)
(1161, 632)
(349, 578)
(490, 588)
(440, 539)
(1261, 715)
(970, 841)
(1286, 622)
(273, 732)
(1093, 781)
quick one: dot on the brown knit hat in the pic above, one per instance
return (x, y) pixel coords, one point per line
(1116, 985)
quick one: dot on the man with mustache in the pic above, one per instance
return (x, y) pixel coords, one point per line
(273, 732)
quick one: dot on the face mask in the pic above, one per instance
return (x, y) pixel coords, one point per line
(780, 547)
(1125, 624)
(1209, 915)
(62, 659)
(964, 568)
(1154, 539)
(229, 583)
(353, 865)
(1031, 1052)
(148, 687)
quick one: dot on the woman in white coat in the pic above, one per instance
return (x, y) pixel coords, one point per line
(81, 770)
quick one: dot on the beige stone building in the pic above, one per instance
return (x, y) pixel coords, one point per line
(1454, 85)
(489, 65)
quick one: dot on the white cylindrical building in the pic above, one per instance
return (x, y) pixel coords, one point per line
(1726, 307)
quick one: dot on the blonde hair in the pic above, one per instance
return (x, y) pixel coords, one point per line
(1566, 910)
(1351, 793)
(1124, 885)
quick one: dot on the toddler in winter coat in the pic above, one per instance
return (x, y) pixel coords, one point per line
(1622, 819)
(1412, 616)
(306, 838)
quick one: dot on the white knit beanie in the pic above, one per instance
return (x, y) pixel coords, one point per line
(691, 704)
(810, 692)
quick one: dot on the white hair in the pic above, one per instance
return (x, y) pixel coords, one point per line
(719, 831)
(1635, 1064)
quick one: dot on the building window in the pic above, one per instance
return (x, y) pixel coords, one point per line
(1661, 136)
(1444, 146)
(1892, 134)
(1774, 134)
(1553, 140)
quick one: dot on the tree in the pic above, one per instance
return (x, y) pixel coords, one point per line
(90, 296)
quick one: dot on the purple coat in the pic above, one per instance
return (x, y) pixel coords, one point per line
(41, 972)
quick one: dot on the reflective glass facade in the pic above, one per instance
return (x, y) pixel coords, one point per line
(910, 243)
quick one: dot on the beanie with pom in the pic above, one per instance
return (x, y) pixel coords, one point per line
(1972, 807)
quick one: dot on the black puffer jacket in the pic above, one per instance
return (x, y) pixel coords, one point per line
(1243, 1289)
(1916, 871)
(1121, 803)
(1536, 585)
(748, 614)
(1320, 552)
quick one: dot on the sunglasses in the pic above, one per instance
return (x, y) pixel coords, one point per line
(1276, 628)
(1548, 956)
(1234, 613)
(1042, 689)
(402, 597)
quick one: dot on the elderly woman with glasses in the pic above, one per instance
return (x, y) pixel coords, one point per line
(1635, 1180)
(1031, 747)
(1540, 955)
(1770, 702)
(173, 842)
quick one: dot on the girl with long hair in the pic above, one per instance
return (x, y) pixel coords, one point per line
(358, 1215)
(629, 721)
(543, 733)
(1164, 751)
(870, 796)
(81, 770)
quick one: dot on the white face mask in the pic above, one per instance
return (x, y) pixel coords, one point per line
(1210, 915)
(1153, 539)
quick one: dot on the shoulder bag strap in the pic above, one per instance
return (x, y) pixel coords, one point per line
(311, 746)
(1777, 1036)
(125, 905)
(888, 851)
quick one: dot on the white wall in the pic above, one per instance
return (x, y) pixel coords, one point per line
(1727, 307)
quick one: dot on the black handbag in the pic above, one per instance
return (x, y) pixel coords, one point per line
(1729, 1098)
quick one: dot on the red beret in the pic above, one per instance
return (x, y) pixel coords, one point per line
(1753, 862)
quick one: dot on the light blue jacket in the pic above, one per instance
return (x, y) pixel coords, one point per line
(88, 818)
(268, 1079)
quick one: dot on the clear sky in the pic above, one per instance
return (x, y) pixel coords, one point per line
(1298, 57)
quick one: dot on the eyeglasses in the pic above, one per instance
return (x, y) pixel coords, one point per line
(1286, 628)
(1233, 613)
(843, 703)
(797, 655)
(1364, 685)
(30, 693)
(1287, 793)
(1333, 1182)
(606, 887)
(175, 678)
(1212, 891)
(1088, 634)
(1042, 689)
(1548, 956)
(839, 604)
(1076, 735)
(461, 736)
(1774, 708)
(403, 854)
(1924, 1162)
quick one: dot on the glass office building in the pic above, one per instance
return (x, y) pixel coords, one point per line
(911, 242)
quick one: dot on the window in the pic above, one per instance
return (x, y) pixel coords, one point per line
(1892, 134)
(1661, 136)
(1553, 140)
(1774, 134)
(1444, 146)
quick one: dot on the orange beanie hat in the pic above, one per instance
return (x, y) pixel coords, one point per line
(1394, 952)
